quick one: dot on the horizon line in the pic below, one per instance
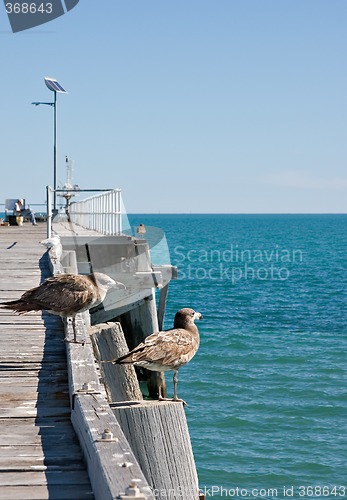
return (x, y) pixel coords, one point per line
(236, 213)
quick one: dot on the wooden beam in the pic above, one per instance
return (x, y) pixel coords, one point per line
(120, 380)
(112, 466)
(162, 306)
(158, 435)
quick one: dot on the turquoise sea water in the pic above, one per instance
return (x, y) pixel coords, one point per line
(267, 389)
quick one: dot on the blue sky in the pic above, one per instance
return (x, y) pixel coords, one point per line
(225, 106)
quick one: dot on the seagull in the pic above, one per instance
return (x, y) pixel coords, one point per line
(169, 349)
(65, 295)
(141, 229)
(54, 247)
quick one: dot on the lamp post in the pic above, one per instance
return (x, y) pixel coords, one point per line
(55, 87)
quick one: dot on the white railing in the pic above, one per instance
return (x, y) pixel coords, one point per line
(101, 212)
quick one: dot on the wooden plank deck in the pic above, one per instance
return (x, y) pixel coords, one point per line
(40, 456)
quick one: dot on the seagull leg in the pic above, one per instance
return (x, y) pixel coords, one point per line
(74, 329)
(72, 321)
(69, 321)
(175, 398)
(175, 381)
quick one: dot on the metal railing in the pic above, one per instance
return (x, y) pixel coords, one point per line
(101, 212)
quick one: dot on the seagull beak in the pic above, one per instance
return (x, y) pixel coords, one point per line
(119, 285)
(198, 316)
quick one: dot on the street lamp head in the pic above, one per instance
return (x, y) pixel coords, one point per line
(53, 85)
(47, 103)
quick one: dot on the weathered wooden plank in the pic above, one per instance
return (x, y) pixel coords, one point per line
(31, 378)
(27, 347)
(38, 333)
(32, 352)
(112, 466)
(21, 385)
(26, 324)
(48, 453)
(19, 278)
(35, 478)
(21, 287)
(31, 431)
(120, 380)
(54, 492)
(32, 348)
(33, 358)
(29, 319)
(77, 330)
(33, 343)
(158, 435)
(29, 467)
(22, 322)
(37, 400)
(46, 395)
(29, 411)
(27, 366)
(83, 376)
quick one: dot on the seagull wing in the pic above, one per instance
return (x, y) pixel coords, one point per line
(65, 294)
(170, 348)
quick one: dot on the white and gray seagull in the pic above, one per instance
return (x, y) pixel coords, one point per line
(65, 295)
(169, 349)
(54, 247)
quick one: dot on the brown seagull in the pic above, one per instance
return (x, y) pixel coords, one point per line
(65, 295)
(169, 349)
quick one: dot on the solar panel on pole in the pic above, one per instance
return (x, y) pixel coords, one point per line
(54, 85)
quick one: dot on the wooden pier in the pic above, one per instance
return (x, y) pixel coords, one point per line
(40, 455)
(65, 433)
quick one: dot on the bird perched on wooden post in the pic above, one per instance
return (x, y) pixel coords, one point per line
(65, 295)
(169, 349)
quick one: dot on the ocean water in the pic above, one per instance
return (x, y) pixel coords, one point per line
(267, 390)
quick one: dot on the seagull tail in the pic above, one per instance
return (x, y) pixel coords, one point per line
(17, 305)
(119, 361)
(131, 357)
(127, 358)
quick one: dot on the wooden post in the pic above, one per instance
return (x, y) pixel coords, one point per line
(141, 322)
(162, 305)
(158, 436)
(120, 380)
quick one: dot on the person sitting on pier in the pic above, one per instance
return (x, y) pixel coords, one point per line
(19, 205)
(32, 216)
